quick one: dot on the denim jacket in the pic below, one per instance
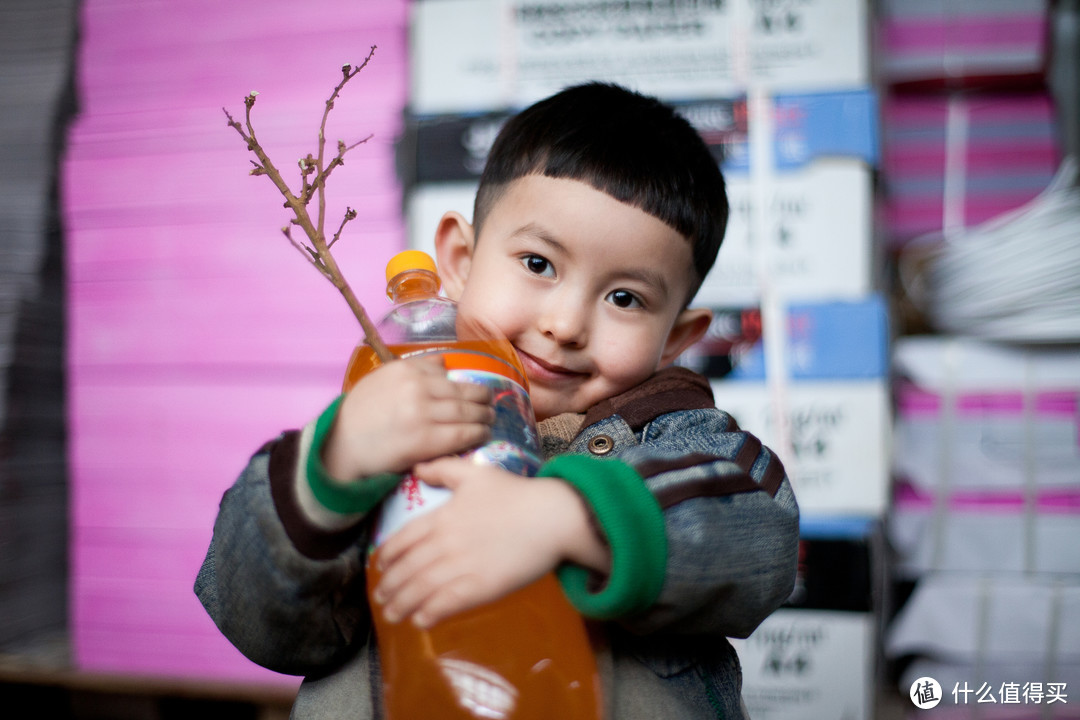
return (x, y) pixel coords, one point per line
(291, 596)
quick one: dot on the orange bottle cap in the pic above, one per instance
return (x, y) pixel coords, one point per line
(409, 260)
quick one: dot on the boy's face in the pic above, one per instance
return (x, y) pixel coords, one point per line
(588, 289)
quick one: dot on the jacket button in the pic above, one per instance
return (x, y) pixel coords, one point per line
(601, 445)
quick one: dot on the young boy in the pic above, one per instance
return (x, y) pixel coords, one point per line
(599, 213)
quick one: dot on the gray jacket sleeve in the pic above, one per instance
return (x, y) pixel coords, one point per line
(288, 596)
(731, 524)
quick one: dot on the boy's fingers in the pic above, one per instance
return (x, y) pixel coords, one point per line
(443, 388)
(448, 472)
(413, 571)
(456, 596)
(461, 411)
(474, 392)
(449, 439)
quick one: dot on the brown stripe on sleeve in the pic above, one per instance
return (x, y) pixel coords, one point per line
(309, 540)
(656, 466)
(773, 476)
(735, 484)
(748, 453)
(713, 486)
(282, 469)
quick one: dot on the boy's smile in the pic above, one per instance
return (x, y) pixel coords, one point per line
(589, 290)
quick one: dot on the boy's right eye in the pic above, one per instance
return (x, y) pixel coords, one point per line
(537, 265)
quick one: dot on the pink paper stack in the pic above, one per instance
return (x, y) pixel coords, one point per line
(196, 332)
(969, 130)
(963, 42)
(957, 160)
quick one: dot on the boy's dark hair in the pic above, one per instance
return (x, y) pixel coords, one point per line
(630, 146)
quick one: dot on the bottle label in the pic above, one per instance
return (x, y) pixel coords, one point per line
(514, 446)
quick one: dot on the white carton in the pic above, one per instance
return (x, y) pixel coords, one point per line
(818, 244)
(519, 51)
(982, 416)
(1002, 629)
(987, 457)
(818, 241)
(838, 437)
(802, 664)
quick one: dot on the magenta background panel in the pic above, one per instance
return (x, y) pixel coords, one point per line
(196, 332)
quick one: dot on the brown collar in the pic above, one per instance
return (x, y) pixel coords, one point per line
(668, 390)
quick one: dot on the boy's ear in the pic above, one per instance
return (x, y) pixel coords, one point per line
(454, 239)
(690, 326)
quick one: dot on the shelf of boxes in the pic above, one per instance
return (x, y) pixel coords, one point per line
(983, 519)
(986, 514)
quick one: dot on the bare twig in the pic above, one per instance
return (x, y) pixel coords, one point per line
(313, 177)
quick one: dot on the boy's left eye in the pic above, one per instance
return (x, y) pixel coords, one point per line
(624, 299)
(537, 265)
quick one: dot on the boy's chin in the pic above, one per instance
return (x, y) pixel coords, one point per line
(546, 411)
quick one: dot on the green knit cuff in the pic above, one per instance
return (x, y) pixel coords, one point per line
(345, 498)
(634, 526)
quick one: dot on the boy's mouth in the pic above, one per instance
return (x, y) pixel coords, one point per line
(538, 369)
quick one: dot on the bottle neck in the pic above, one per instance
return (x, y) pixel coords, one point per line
(413, 285)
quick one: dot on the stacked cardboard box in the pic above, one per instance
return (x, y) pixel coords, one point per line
(816, 656)
(782, 93)
(953, 161)
(933, 44)
(986, 513)
(984, 520)
(522, 50)
(969, 126)
(987, 457)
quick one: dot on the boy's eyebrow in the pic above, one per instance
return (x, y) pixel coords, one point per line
(536, 231)
(649, 277)
(644, 275)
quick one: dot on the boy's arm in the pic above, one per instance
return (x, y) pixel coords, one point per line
(291, 610)
(497, 533)
(720, 512)
(283, 577)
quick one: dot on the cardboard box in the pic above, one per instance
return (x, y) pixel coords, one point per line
(993, 629)
(818, 242)
(987, 454)
(980, 416)
(810, 253)
(963, 42)
(803, 664)
(984, 532)
(958, 160)
(838, 435)
(806, 127)
(519, 51)
(841, 564)
(818, 237)
(828, 418)
(841, 340)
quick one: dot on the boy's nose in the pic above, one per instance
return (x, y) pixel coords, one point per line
(564, 321)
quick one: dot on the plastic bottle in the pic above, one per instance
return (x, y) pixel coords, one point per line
(525, 656)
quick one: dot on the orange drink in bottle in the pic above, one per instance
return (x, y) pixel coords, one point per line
(527, 655)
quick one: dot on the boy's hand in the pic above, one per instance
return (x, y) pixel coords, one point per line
(498, 533)
(402, 413)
